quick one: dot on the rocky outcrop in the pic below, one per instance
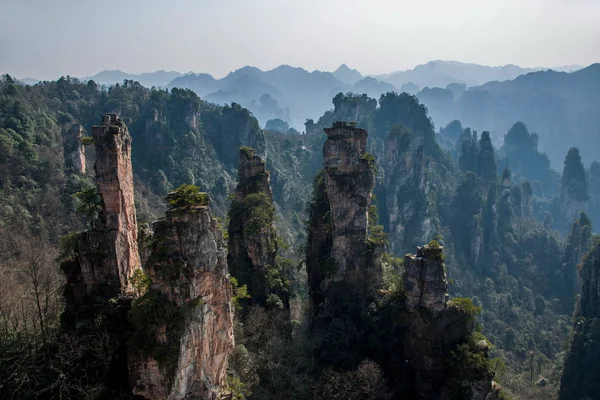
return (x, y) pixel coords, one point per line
(102, 261)
(438, 338)
(349, 182)
(183, 355)
(114, 178)
(344, 273)
(236, 127)
(107, 255)
(74, 152)
(252, 242)
(581, 376)
(176, 334)
(425, 279)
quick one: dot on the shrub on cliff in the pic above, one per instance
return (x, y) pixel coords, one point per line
(187, 196)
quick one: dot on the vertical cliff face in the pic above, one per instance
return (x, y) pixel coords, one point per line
(108, 254)
(103, 260)
(425, 280)
(178, 332)
(343, 271)
(252, 242)
(349, 182)
(438, 341)
(114, 178)
(581, 376)
(184, 324)
(74, 153)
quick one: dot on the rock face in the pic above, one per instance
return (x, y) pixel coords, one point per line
(108, 254)
(252, 240)
(114, 178)
(425, 280)
(349, 182)
(188, 270)
(424, 343)
(433, 331)
(581, 376)
(177, 336)
(73, 148)
(343, 269)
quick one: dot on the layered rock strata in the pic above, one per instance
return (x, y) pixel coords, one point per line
(173, 323)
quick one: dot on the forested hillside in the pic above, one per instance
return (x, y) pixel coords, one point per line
(313, 229)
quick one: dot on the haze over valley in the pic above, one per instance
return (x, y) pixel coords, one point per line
(313, 200)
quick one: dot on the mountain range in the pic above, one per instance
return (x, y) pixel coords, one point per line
(562, 108)
(294, 94)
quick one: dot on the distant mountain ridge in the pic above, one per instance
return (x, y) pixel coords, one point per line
(563, 108)
(347, 75)
(289, 93)
(158, 78)
(294, 94)
(441, 73)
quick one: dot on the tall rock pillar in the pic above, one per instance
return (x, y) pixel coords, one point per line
(252, 236)
(344, 272)
(183, 325)
(349, 181)
(107, 255)
(114, 178)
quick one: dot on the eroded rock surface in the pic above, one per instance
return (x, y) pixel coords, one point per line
(107, 255)
(434, 331)
(252, 240)
(425, 280)
(349, 181)
(187, 358)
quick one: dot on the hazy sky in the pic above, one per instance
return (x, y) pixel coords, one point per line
(49, 38)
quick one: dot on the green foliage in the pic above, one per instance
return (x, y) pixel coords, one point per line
(466, 306)
(574, 181)
(258, 210)
(89, 203)
(187, 196)
(377, 235)
(68, 246)
(239, 292)
(248, 152)
(237, 389)
(148, 313)
(87, 140)
(433, 244)
(470, 361)
(370, 158)
(140, 281)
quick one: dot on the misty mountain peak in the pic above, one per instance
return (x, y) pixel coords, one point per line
(347, 75)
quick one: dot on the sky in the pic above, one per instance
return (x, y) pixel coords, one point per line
(46, 39)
